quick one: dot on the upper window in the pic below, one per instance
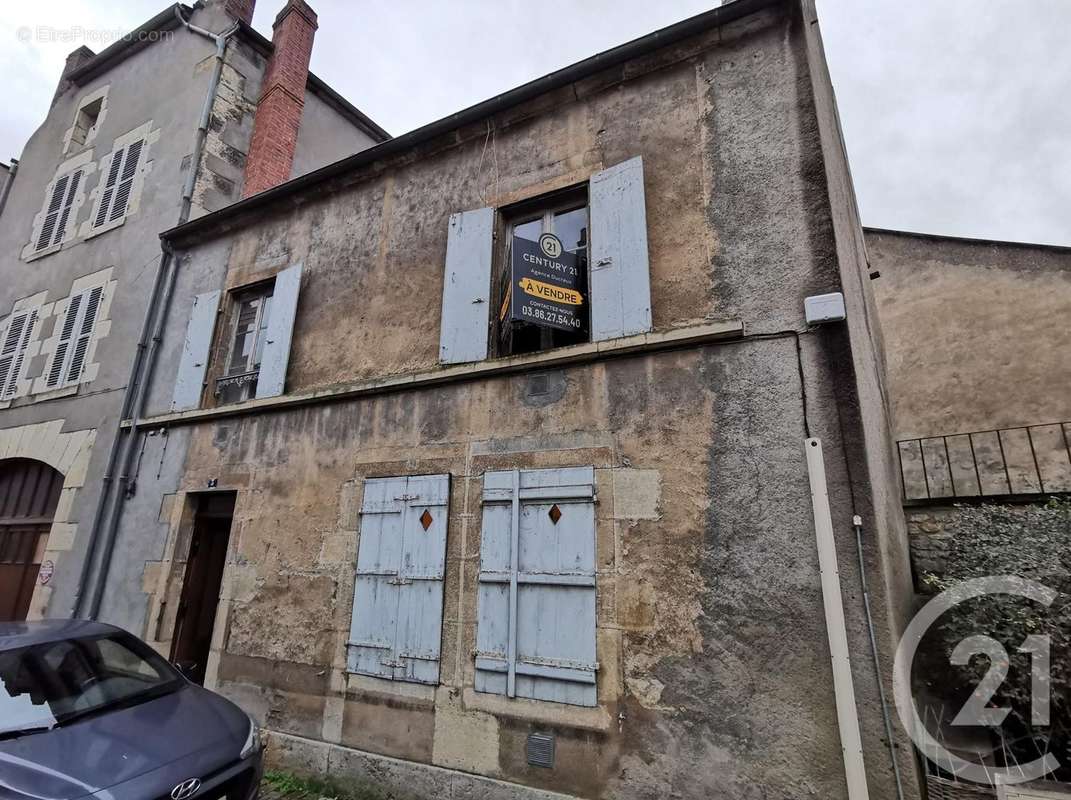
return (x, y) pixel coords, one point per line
(246, 344)
(118, 185)
(57, 220)
(75, 335)
(85, 121)
(568, 268)
(542, 285)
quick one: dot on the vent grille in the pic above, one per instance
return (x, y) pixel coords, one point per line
(540, 747)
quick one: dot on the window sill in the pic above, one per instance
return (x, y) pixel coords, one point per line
(693, 336)
(46, 252)
(107, 226)
(39, 397)
(540, 711)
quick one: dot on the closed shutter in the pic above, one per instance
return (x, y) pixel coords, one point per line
(396, 626)
(126, 180)
(59, 210)
(60, 357)
(108, 191)
(84, 332)
(11, 360)
(115, 197)
(276, 355)
(190, 380)
(467, 287)
(620, 281)
(535, 634)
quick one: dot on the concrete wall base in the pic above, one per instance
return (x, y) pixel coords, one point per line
(408, 778)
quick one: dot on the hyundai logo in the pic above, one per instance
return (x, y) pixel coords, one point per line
(186, 789)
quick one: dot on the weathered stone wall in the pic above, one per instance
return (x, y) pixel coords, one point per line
(977, 332)
(714, 677)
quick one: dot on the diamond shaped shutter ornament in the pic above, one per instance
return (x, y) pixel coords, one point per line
(425, 519)
(555, 513)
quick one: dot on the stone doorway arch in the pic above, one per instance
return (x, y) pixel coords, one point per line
(29, 494)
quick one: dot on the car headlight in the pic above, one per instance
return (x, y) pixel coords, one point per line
(252, 741)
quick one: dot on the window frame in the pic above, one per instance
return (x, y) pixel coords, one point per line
(246, 389)
(507, 219)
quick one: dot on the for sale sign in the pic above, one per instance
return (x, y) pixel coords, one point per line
(546, 285)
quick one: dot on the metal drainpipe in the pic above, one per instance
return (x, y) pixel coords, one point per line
(134, 396)
(14, 168)
(857, 523)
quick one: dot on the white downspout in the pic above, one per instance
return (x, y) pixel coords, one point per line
(843, 686)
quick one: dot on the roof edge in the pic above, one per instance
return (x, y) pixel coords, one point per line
(129, 44)
(319, 87)
(966, 239)
(635, 48)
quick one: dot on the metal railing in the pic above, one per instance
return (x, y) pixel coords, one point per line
(1002, 462)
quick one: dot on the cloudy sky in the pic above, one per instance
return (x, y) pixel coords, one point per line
(956, 112)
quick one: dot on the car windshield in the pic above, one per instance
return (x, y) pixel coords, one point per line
(53, 683)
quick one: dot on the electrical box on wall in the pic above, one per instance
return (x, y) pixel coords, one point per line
(821, 308)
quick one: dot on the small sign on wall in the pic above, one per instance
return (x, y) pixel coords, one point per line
(45, 572)
(545, 286)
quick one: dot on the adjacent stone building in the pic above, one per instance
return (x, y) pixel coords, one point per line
(158, 128)
(495, 459)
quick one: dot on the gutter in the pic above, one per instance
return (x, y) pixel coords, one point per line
(477, 113)
(141, 369)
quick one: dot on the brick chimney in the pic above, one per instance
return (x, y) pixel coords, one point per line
(240, 9)
(278, 117)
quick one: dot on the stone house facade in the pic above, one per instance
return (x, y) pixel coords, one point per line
(152, 131)
(428, 542)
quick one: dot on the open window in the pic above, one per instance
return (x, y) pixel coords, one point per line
(254, 347)
(567, 268)
(541, 275)
(85, 122)
(245, 344)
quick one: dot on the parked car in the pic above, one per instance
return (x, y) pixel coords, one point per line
(88, 710)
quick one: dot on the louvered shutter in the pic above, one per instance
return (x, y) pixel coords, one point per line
(52, 213)
(396, 625)
(619, 276)
(68, 203)
(276, 356)
(535, 634)
(84, 332)
(467, 287)
(63, 346)
(109, 188)
(13, 369)
(126, 180)
(9, 345)
(190, 381)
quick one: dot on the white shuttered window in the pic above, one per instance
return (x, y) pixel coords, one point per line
(75, 335)
(13, 343)
(58, 210)
(118, 183)
(535, 634)
(398, 594)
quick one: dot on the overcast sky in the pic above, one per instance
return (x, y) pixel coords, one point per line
(956, 112)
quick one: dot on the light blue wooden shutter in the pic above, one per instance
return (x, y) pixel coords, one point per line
(189, 383)
(84, 332)
(108, 191)
(535, 634)
(467, 287)
(280, 330)
(396, 626)
(620, 281)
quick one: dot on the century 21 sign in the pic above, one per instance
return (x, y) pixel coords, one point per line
(546, 284)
